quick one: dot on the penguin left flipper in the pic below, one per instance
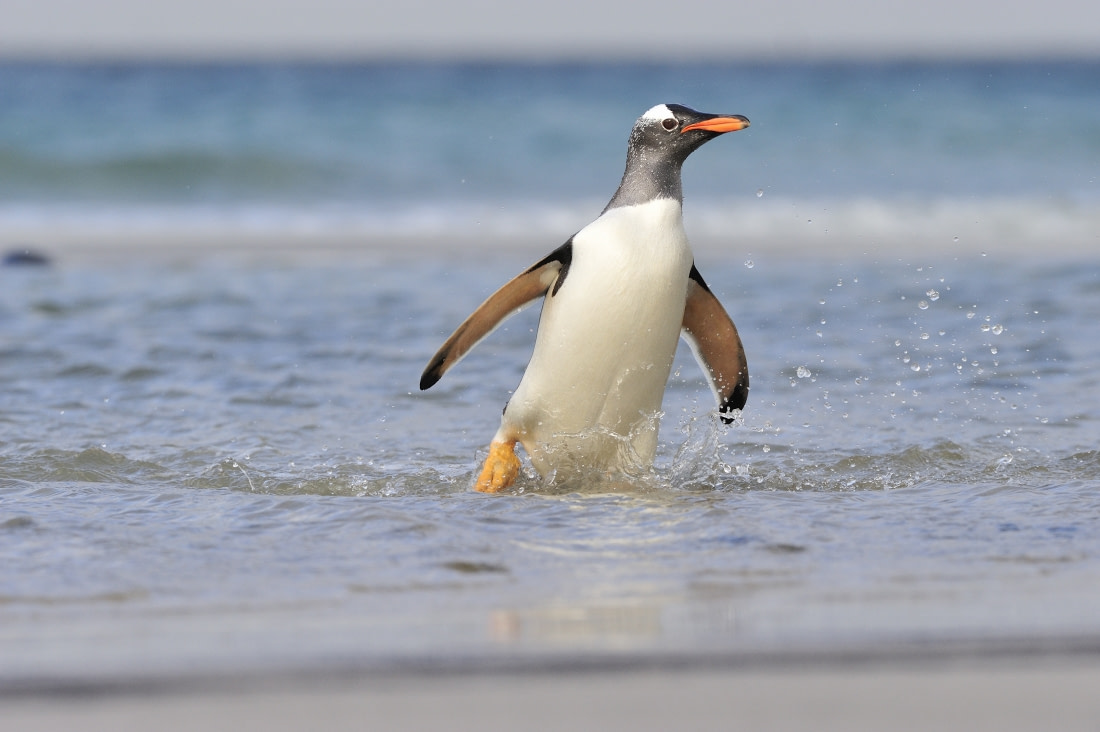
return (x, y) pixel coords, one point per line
(530, 285)
(713, 338)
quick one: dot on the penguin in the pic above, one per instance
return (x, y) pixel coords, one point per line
(618, 295)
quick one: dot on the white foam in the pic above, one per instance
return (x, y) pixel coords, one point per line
(871, 226)
(819, 226)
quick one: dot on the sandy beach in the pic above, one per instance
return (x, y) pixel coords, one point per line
(1017, 693)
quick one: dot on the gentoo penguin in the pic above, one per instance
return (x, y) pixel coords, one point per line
(619, 294)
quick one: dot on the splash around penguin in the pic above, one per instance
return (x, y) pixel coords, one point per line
(618, 295)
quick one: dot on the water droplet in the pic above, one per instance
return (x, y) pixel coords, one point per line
(924, 336)
(803, 372)
(759, 192)
(970, 315)
(985, 327)
(998, 329)
(767, 448)
(993, 350)
(897, 342)
(915, 367)
(749, 264)
(933, 295)
(956, 239)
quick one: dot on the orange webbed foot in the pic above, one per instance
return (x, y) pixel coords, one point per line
(500, 470)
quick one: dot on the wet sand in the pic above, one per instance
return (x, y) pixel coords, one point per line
(1008, 694)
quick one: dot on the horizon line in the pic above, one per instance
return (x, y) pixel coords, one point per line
(200, 57)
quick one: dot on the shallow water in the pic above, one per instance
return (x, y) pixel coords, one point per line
(216, 459)
(222, 462)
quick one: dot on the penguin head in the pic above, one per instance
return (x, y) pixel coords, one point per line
(679, 130)
(660, 142)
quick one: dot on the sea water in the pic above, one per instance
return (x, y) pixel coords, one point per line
(945, 149)
(217, 460)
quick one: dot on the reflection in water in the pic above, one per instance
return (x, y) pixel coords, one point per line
(578, 626)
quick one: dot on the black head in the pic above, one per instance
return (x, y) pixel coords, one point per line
(660, 142)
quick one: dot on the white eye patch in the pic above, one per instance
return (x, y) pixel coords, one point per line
(658, 113)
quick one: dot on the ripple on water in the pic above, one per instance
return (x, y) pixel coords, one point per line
(943, 462)
(17, 523)
(91, 465)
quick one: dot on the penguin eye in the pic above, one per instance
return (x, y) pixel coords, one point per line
(670, 123)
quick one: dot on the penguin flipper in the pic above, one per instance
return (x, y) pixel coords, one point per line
(713, 338)
(530, 285)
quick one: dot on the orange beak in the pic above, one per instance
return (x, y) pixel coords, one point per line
(719, 124)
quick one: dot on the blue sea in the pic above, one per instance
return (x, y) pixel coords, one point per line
(223, 281)
(506, 150)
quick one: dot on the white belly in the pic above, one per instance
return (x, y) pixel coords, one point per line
(591, 396)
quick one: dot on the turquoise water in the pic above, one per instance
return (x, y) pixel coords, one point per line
(216, 459)
(492, 149)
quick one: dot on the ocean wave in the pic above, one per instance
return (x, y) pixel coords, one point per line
(866, 224)
(141, 175)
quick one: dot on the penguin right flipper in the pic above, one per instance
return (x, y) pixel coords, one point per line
(532, 284)
(713, 338)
